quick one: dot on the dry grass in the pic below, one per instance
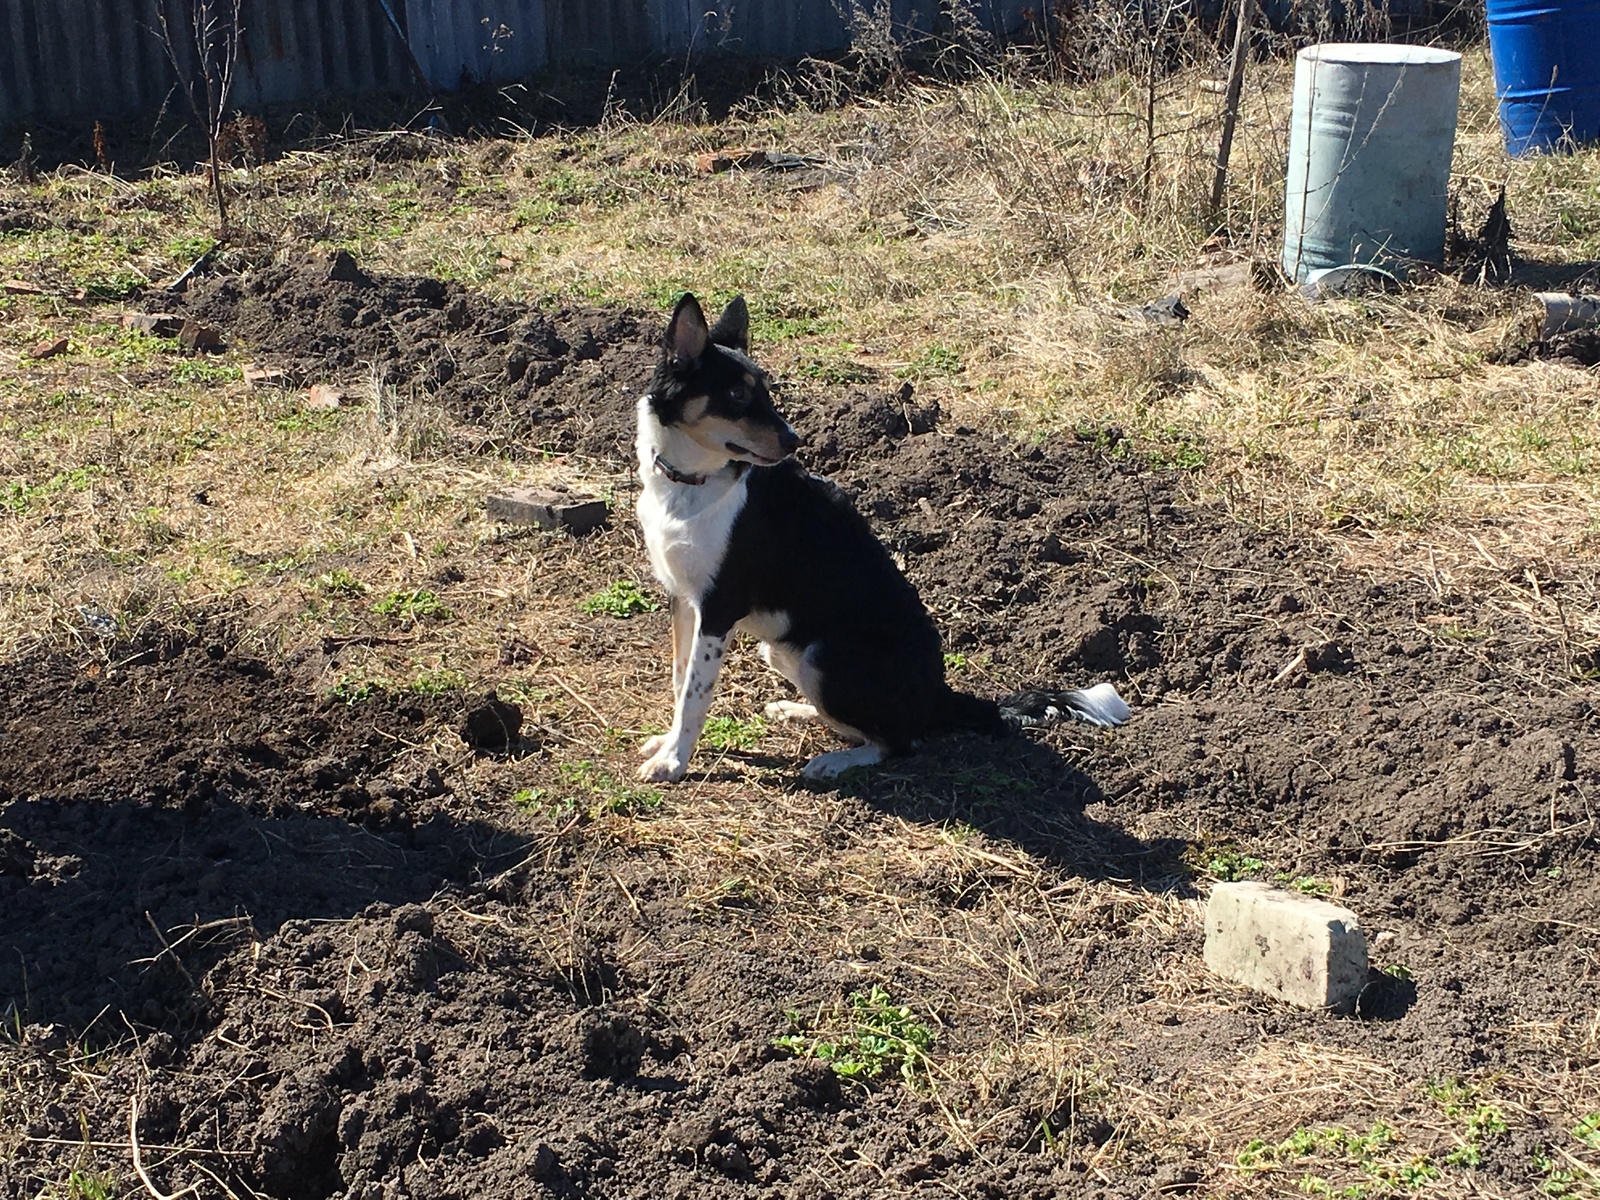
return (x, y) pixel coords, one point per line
(980, 240)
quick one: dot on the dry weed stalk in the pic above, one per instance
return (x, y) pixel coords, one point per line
(206, 36)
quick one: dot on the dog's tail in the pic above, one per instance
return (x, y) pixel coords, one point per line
(1098, 705)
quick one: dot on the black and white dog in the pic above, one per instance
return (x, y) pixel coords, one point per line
(742, 538)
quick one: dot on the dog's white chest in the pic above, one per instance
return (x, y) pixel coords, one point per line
(686, 531)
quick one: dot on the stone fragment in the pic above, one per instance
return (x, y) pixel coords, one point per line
(49, 349)
(195, 336)
(549, 509)
(715, 162)
(1169, 311)
(153, 324)
(324, 397)
(1299, 949)
(258, 376)
(20, 287)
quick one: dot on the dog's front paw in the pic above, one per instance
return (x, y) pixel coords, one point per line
(651, 745)
(664, 766)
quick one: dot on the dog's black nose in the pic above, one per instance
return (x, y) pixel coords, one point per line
(788, 439)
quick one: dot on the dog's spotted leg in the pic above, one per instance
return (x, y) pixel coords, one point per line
(684, 620)
(683, 623)
(670, 757)
(789, 710)
(835, 762)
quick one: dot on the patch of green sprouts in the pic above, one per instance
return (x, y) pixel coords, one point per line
(732, 733)
(411, 606)
(621, 600)
(605, 792)
(340, 582)
(1228, 865)
(865, 1039)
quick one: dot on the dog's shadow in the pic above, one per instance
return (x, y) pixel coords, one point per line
(1020, 790)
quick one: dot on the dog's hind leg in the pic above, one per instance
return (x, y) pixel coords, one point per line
(683, 622)
(835, 762)
(786, 662)
(789, 710)
(670, 756)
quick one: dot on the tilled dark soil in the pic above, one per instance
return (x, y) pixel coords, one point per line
(526, 380)
(376, 989)
(1576, 347)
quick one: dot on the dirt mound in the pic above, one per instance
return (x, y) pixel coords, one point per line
(342, 972)
(1524, 342)
(544, 381)
(234, 749)
(1426, 749)
(350, 1001)
(1577, 347)
(194, 777)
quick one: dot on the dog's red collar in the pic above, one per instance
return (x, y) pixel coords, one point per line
(677, 476)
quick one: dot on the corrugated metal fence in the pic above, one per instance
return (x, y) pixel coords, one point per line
(91, 58)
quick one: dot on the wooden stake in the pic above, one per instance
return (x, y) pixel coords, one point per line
(1230, 116)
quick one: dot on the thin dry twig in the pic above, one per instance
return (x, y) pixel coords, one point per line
(1493, 842)
(312, 1005)
(138, 1158)
(573, 692)
(94, 1145)
(168, 949)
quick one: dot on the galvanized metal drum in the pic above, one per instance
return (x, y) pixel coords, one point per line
(1546, 72)
(1371, 134)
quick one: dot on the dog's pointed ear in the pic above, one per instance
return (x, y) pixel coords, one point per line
(733, 326)
(687, 335)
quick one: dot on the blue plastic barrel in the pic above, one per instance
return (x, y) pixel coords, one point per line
(1546, 72)
(1370, 138)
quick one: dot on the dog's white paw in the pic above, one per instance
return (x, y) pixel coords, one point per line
(651, 745)
(789, 710)
(664, 766)
(836, 762)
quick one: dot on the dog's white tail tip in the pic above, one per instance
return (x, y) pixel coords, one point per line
(1102, 706)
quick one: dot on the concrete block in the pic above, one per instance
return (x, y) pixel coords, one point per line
(1294, 948)
(549, 510)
